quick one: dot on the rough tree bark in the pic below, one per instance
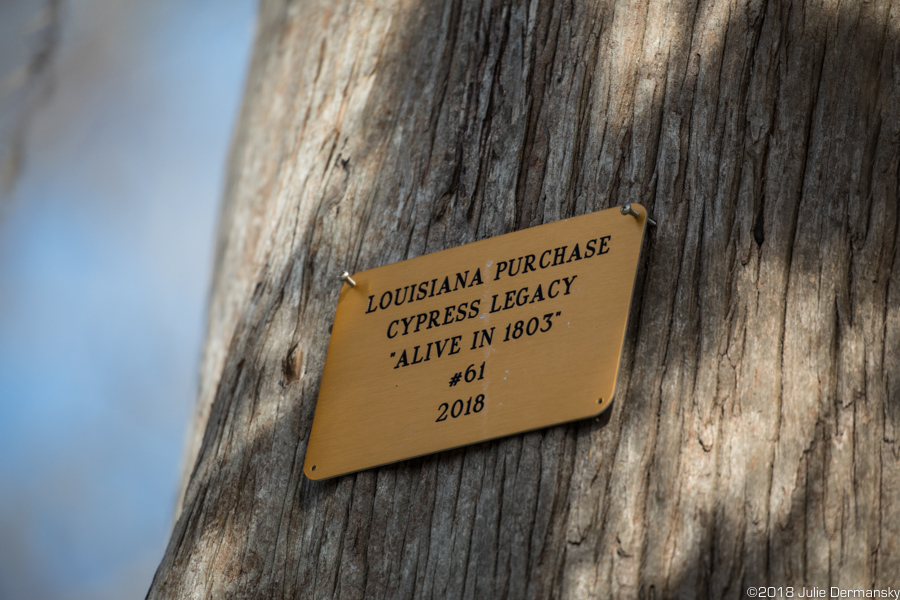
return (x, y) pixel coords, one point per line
(753, 439)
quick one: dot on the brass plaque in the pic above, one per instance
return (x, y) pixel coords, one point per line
(497, 337)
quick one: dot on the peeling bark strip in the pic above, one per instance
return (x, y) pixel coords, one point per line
(754, 437)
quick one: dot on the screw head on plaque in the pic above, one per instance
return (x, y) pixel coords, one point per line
(501, 336)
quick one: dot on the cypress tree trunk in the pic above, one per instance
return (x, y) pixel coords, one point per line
(753, 439)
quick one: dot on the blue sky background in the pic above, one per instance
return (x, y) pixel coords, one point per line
(105, 255)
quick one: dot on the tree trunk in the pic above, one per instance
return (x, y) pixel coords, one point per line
(753, 439)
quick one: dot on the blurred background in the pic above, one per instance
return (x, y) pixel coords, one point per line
(115, 121)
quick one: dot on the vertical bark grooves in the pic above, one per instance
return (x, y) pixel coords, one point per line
(753, 438)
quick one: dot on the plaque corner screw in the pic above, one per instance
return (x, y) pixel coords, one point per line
(626, 209)
(345, 276)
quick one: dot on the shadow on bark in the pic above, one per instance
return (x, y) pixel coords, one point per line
(752, 441)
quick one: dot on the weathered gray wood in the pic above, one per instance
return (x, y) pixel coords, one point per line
(754, 434)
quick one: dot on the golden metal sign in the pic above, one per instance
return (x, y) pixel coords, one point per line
(481, 341)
